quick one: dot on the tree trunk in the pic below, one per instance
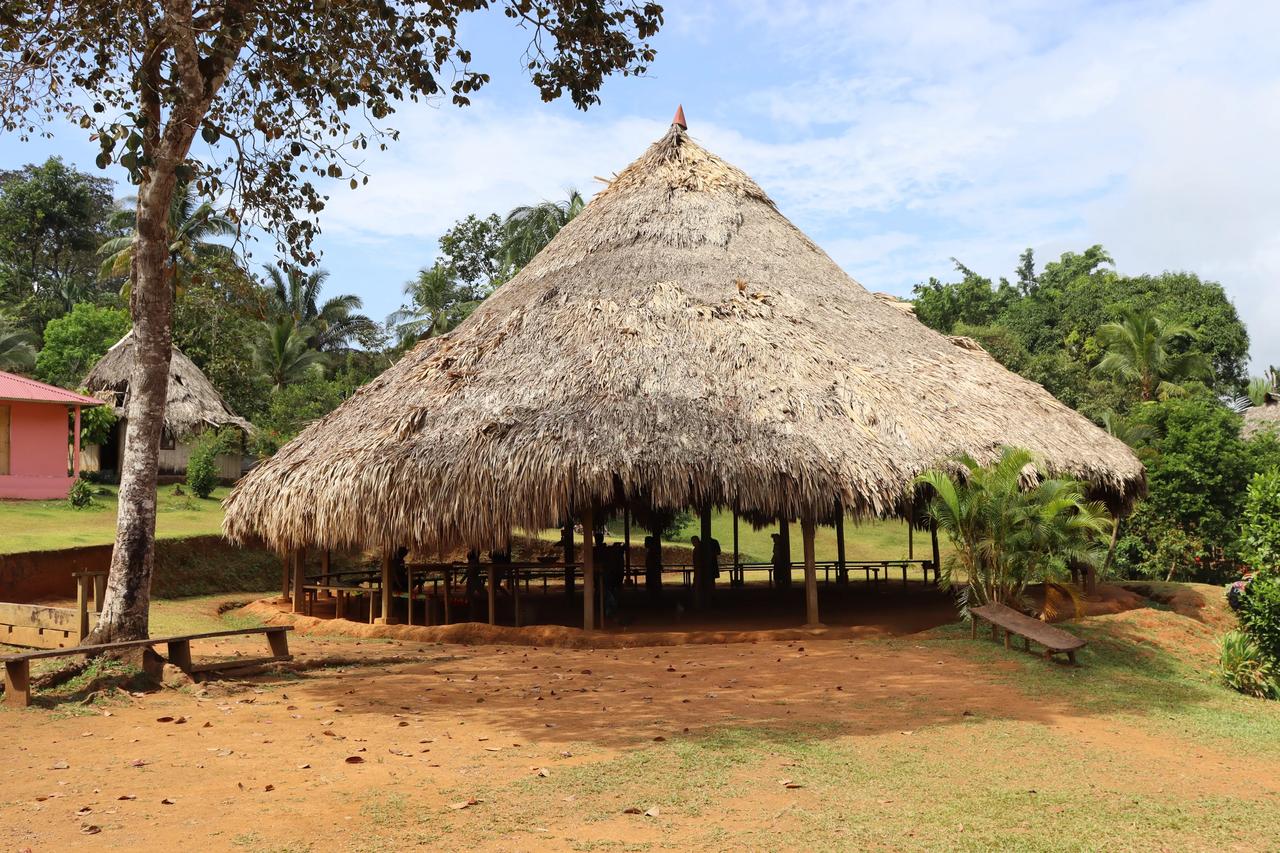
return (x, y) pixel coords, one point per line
(128, 599)
(1111, 554)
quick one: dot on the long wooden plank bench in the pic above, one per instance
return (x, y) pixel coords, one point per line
(17, 668)
(1054, 640)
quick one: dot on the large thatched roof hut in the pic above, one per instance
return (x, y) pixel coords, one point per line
(192, 405)
(680, 343)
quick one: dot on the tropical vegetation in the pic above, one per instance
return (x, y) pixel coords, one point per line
(1012, 525)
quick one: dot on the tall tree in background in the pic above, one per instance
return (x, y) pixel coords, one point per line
(1140, 352)
(191, 224)
(527, 229)
(437, 303)
(271, 86)
(330, 325)
(17, 346)
(282, 354)
(52, 219)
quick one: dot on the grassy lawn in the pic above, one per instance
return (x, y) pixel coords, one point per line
(50, 525)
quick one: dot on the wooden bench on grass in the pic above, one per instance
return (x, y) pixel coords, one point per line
(1054, 640)
(17, 668)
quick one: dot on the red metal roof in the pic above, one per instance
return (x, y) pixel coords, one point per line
(14, 387)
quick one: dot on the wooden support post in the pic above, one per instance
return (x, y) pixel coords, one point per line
(325, 566)
(75, 446)
(286, 563)
(279, 642)
(82, 605)
(566, 543)
(385, 617)
(810, 573)
(515, 593)
(493, 594)
(408, 616)
(842, 571)
(735, 577)
(784, 537)
(17, 683)
(703, 576)
(99, 590)
(937, 560)
(626, 544)
(448, 593)
(588, 571)
(180, 654)
(299, 578)
(911, 531)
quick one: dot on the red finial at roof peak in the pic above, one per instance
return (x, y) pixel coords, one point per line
(679, 119)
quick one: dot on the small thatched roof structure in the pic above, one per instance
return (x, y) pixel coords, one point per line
(192, 402)
(1262, 418)
(680, 343)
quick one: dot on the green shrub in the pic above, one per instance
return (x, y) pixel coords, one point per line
(81, 494)
(1244, 667)
(202, 465)
(1260, 531)
(1260, 612)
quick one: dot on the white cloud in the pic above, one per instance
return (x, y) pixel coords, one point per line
(901, 134)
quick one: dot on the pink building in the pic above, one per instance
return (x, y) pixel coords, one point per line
(39, 443)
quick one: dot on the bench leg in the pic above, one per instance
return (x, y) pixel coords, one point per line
(180, 655)
(1026, 644)
(17, 683)
(1071, 657)
(1007, 639)
(152, 663)
(973, 626)
(279, 641)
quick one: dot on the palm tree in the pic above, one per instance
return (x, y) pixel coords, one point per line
(1009, 532)
(437, 304)
(296, 294)
(17, 346)
(527, 229)
(191, 224)
(1140, 352)
(282, 355)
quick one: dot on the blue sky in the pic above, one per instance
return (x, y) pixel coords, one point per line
(896, 134)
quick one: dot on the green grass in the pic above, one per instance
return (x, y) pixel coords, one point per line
(52, 525)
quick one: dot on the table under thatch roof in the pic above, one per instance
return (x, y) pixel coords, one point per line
(191, 404)
(680, 343)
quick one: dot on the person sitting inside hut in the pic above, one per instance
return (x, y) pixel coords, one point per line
(781, 562)
(653, 566)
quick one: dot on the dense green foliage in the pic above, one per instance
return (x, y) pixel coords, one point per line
(1198, 469)
(1049, 326)
(74, 342)
(1260, 614)
(1007, 535)
(1260, 534)
(52, 220)
(1246, 668)
(202, 464)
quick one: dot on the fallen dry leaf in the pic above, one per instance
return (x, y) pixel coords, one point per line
(631, 810)
(127, 797)
(90, 829)
(465, 804)
(354, 759)
(544, 772)
(652, 812)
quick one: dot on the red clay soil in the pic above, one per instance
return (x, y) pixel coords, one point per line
(300, 760)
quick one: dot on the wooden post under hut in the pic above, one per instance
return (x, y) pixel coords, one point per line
(810, 573)
(842, 570)
(384, 616)
(299, 578)
(588, 571)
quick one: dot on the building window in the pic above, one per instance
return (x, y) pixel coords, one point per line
(166, 439)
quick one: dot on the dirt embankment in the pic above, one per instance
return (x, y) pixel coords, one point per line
(200, 565)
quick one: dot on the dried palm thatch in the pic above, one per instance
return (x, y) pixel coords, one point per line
(679, 343)
(1259, 419)
(192, 402)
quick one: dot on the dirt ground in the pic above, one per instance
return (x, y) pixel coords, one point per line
(852, 742)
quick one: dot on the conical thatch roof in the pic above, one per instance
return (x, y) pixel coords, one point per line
(1262, 418)
(192, 402)
(679, 342)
